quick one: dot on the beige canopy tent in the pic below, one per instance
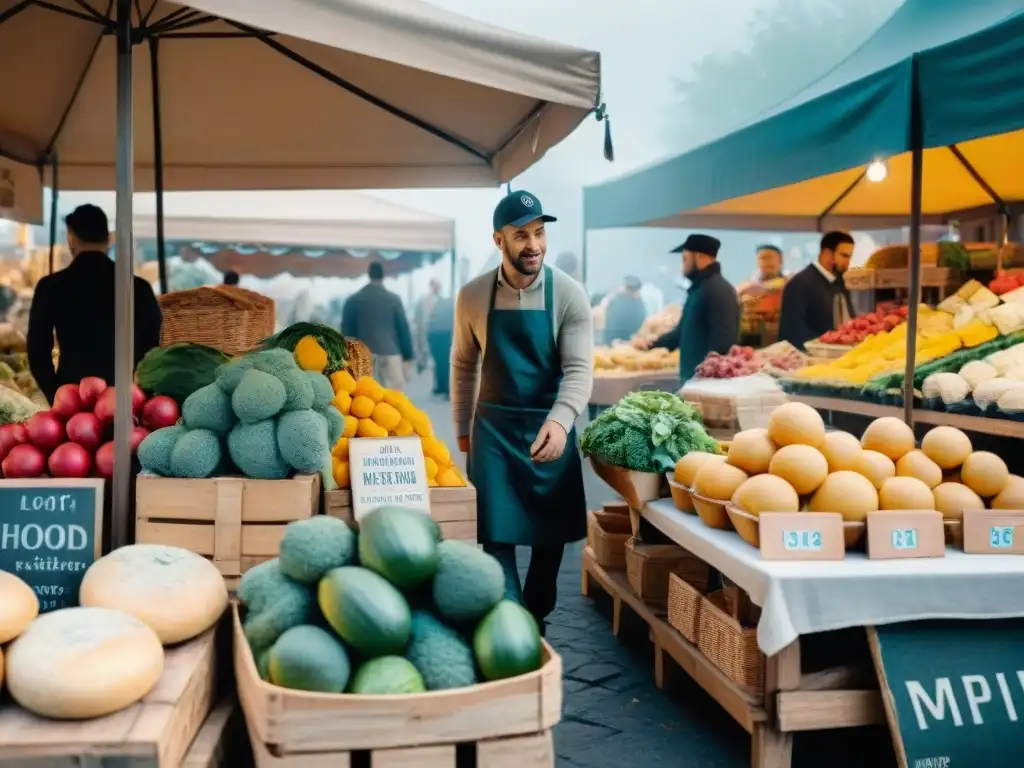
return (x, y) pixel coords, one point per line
(272, 94)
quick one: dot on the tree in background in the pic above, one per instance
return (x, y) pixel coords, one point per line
(793, 42)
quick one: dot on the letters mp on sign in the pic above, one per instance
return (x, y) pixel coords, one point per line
(953, 691)
(387, 471)
(51, 531)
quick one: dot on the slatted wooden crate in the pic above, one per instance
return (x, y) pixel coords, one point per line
(504, 724)
(156, 732)
(234, 521)
(453, 509)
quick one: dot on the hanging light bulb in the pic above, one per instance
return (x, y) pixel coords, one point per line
(877, 171)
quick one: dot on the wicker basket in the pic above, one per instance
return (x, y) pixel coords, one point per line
(607, 533)
(358, 360)
(228, 318)
(648, 567)
(684, 600)
(727, 636)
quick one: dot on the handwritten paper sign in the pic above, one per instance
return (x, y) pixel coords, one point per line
(388, 471)
(901, 534)
(50, 533)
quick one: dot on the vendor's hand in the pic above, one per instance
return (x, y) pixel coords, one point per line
(641, 344)
(550, 442)
(463, 443)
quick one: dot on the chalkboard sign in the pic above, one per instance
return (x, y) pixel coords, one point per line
(953, 691)
(50, 533)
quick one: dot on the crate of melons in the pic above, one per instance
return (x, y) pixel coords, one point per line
(389, 640)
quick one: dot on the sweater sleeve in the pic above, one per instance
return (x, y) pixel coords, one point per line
(670, 340)
(576, 349)
(465, 365)
(40, 340)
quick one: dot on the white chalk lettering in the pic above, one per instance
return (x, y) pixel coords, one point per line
(936, 707)
(978, 692)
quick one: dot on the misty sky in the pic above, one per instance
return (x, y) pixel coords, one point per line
(644, 44)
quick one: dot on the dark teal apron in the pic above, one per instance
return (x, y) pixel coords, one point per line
(520, 501)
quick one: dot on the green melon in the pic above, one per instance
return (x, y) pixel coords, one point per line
(366, 611)
(308, 658)
(400, 544)
(507, 642)
(387, 675)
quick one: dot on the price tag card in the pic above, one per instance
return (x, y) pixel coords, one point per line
(994, 532)
(802, 536)
(388, 471)
(909, 533)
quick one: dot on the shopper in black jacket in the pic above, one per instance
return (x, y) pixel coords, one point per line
(77, 304)
(711, 314)
(815, 300)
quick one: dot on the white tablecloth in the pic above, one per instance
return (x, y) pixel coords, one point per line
(799, 598)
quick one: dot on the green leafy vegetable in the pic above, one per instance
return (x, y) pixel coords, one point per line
(178, 370)
(647, 432)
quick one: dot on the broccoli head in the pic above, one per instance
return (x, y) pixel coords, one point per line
(619, 444)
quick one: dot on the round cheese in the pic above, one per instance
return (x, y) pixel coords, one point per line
(18, 606)
(177, 592)
(79, 663)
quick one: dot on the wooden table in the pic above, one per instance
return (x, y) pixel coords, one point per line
(793, 701)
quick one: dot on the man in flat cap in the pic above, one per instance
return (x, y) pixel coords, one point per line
(711, 316)
(522, 371)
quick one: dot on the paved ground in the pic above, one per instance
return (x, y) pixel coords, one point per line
(613, 714)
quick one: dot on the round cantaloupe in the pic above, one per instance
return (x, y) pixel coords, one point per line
(889, 436)
(687, 466)
(850, 494)
(18, 606)
(718, 480)
(801, 466)
(1012, 495)
(917, 464)
(751, 450)
(876, 467)
(796, 424)
(766, 493)
(984, 473)
(841, 450)
(946, 446)
(905, 493)
(951, 499)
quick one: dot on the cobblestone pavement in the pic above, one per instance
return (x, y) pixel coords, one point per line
(613, 714)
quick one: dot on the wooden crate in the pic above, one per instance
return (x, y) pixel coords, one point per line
(648, 567)
(234, 521)
(607, 533)
(213, 745)
(453, 509)
(298, 728)
(154, 733)
(532, 751)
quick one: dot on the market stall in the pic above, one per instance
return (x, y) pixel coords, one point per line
(808, 528)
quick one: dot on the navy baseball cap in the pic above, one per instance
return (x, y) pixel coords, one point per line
(518, 208)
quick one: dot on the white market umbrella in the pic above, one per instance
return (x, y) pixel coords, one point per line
(272, 94)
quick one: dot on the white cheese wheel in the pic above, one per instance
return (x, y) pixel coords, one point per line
(78, 663)
(18, 606)
(177, 592)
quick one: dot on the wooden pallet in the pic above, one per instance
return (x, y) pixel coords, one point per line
(154, 733)
(453, 509)
(234, 521)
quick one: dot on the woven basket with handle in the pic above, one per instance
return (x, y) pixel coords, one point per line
(228, 318)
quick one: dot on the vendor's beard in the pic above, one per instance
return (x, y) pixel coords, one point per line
(692, 273)
(519, 266)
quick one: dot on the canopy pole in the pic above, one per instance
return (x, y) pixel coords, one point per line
(158, 162)
(454, 267)
(54, 195)
(914, 298)
(124, 294)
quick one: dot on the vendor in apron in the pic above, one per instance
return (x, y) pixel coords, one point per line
(522, 371)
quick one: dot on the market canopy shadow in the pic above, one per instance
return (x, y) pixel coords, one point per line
(944, 76)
